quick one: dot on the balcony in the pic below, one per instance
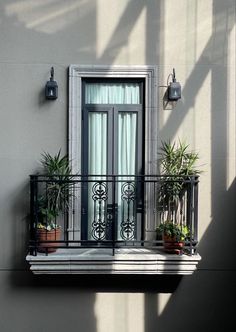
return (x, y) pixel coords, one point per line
(107, 224)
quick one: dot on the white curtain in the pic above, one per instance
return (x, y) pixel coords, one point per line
(97, 143)
(112, 93)
(127, 123)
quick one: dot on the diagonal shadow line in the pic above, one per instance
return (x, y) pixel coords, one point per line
(216, 98)
(56, 14)
(192, 86)
(122, 30)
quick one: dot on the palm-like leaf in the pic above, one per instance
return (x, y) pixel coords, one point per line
(176, 162)
(58, 192)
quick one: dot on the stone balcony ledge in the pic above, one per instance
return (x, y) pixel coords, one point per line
(102, 261)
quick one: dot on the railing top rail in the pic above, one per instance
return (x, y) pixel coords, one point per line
(116, 176)
(194, 179)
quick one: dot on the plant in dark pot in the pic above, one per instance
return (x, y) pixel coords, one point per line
(176, 164)
(54, 200)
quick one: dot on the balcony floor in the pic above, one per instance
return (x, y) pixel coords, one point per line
(101, 261)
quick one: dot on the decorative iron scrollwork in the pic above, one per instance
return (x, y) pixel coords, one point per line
(128, 214)
(99, 191)
(100, 222)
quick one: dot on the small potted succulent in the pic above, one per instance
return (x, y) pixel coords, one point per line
(54, 200)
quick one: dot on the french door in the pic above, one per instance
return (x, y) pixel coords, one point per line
(112, 159)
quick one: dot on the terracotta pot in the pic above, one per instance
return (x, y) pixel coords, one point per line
(47, 236)
(172, 246)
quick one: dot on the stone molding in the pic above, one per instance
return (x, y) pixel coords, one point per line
(124, 261)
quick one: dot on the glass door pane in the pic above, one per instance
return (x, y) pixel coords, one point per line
(127, 140)
(97, 165)
(97, 143)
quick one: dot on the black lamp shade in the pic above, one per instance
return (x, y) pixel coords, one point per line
(174, 91)
(51, 90)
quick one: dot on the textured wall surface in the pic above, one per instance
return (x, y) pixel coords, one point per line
(196, 37)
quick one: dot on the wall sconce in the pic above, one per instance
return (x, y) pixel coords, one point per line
(51, 88)
(174, 89)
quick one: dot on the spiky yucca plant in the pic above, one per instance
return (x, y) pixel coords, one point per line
(177, 160)
(56, 165)
(57, 193)
(176, 163)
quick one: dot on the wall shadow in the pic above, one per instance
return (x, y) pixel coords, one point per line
(100, 283)
(205, 300)
(48, 32)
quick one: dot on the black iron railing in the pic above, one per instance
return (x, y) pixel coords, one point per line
(110, 211)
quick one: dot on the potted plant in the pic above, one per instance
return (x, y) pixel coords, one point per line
(54, 200)
(176, 163)
(174, 236)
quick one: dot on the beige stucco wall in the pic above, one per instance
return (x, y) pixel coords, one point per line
(197, 37)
